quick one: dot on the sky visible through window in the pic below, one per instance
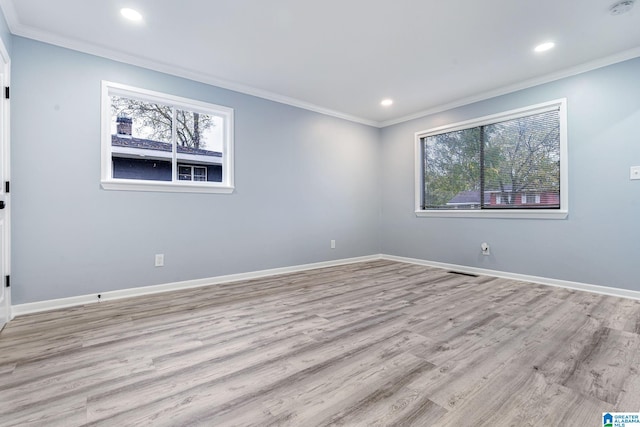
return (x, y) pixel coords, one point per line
(153, 121)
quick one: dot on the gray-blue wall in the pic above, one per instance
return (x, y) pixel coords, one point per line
(301, 179)
(599, 243)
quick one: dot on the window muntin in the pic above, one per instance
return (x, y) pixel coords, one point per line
(513, 162)
(149, 136)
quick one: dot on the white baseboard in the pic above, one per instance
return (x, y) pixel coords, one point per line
(604, 290)
(35, 307)
(54, 304)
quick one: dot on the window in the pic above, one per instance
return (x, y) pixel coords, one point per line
(530, 198)
(512, 164)
(192, 173)
(157, 142)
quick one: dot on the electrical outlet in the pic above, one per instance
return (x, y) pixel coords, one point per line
(159, 260)
(333, 244)
(485, 249)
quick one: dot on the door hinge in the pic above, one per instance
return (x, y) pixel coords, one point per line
(7, 187)
(6, 92)
(7, 281)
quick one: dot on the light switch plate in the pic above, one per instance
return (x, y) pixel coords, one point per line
(635, 172)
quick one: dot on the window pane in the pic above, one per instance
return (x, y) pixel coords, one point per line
(452, 170)
(522, 162)
(199, 173)
(200, 140)
(184, 173)
(140, 139)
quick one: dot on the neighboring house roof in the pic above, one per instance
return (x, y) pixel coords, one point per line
(466, 198)
(148, 144)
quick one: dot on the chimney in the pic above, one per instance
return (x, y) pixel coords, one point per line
(124, 125)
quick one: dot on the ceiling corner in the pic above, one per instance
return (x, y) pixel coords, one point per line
(10, 15)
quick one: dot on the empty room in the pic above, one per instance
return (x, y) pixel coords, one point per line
(337, 213)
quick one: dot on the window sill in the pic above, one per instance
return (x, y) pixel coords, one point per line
(486, 213)
(169, 187)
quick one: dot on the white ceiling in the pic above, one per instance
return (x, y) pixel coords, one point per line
(343, 56)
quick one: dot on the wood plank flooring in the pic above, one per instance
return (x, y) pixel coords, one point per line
(369, 344)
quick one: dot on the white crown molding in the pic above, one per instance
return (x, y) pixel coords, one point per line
(547, 78)
(10, 14)
(36, 307)
(17, 28)
(89, 48)
(39, 306)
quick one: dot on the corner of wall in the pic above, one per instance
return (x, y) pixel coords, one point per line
(5, 33)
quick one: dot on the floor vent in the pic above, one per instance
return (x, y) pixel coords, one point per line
(462, 274)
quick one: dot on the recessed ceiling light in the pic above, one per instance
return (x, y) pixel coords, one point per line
(544, 46)
(132, 15)
(386, 102)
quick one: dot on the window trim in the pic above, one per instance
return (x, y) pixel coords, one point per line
(562, 213)
(109, 183)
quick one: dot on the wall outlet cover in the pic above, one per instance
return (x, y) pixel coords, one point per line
(159, 260)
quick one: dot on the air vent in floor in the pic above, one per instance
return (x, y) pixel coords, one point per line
(462, 274)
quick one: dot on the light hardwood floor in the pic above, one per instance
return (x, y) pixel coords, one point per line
(377, 343)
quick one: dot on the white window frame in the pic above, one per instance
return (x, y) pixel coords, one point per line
(562, 213)
(192, 169)
(110, 183)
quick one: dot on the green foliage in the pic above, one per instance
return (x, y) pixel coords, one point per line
(513, 156)
(523, 154)
(452, 165)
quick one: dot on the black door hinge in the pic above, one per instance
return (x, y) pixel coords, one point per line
(6, 92)
(7, 187)
(7, 281)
